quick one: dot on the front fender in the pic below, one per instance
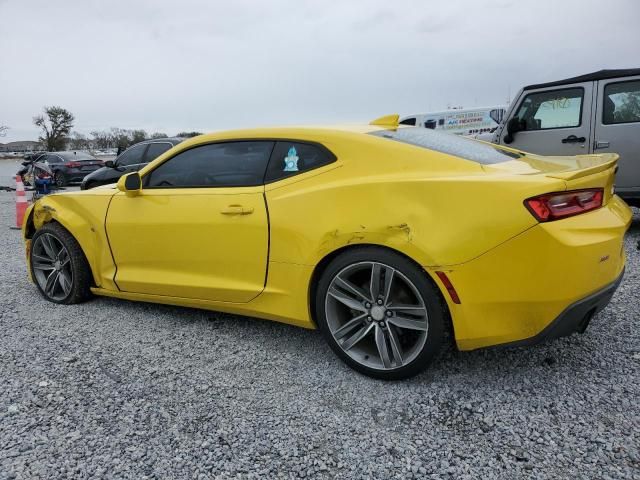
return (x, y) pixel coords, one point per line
(83, 216)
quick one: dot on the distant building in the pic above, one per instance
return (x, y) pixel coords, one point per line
(21, 146)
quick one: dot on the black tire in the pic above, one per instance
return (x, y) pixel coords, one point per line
(430, 296)
(81, 272)
(60, 179)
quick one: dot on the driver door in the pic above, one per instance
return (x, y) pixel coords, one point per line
(554, 120)
(198, 228)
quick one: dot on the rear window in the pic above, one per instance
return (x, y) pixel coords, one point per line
(78, 157)
(448, 143)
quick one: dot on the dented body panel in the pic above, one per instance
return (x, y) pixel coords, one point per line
(513, 275)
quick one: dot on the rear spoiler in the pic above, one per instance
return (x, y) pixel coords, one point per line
(593, 164)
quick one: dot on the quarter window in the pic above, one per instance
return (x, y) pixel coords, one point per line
(551, 109)
(131, 156)
(230, 164)
(621, 102)
(291, 158)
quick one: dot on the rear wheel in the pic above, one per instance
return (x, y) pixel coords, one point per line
(60, 179)
(380, 313)
(58, 266)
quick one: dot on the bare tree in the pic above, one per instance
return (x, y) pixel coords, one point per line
(56, 123)
(159, 135)
(78, 141)
(3, 130)
(138, 136)
(101, 139)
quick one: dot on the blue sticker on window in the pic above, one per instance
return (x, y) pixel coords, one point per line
(291, 161)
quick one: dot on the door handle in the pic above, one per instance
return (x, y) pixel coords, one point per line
(574, 139)
(602, 144)
(236, 210)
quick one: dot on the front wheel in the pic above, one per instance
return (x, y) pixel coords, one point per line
(58, 266)
(380, 313)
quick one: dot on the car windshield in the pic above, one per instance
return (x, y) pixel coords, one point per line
(449, 143)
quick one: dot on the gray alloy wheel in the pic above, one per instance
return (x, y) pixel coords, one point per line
(58, 265)
(376, 315)
(51, 264)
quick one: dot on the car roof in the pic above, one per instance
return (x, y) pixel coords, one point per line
(589, 77)
(171, 140)
(287, 131)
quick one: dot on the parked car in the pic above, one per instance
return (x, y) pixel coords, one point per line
(131, 160)
(70, 167)
(379, 234)
(593, 113)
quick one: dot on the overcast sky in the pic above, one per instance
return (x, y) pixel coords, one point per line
(209, 65)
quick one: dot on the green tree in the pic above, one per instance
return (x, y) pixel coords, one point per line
(56, 123)
(188, 134)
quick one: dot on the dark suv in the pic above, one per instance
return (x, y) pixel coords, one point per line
(69, 167)
(131, 160)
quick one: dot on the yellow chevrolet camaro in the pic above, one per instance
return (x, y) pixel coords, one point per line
(384, 237)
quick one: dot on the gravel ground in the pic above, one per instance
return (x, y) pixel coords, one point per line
(116, 389)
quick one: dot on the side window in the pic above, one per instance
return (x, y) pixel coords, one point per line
(441, 122)
(552, 109)
(408, 121)
(155, 150)
(291, 158)
(430, 124)
(131, 155)
(621, 103)
(52, 159)
(230, 164)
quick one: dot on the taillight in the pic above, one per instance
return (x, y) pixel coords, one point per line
(73, 164)
(554, 206)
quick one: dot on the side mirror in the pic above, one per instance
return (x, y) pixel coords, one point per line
(131, 184)
(110, 164)
(513, 125)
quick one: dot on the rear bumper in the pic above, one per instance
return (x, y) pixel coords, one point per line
(575, 318)
(541, 283)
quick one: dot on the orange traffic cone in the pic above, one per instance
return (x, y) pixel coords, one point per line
(21, 202)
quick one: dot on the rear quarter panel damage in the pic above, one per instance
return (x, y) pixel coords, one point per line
(441, 218)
